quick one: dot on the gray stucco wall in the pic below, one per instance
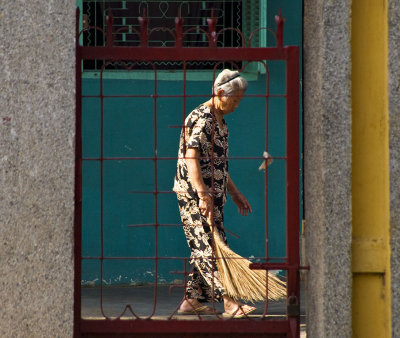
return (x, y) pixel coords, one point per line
(37, 58)
(394, 147)
(37, 166)
(327, 166)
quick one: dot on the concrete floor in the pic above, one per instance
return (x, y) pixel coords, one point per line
(141, 299)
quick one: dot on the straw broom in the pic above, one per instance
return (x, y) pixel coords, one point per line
(241, 282)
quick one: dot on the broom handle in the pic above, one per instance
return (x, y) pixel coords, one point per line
(225, 228)
(231, 232)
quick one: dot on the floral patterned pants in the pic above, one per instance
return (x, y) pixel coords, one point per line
(203, 283)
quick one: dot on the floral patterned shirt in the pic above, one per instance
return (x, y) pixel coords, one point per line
(198, 133)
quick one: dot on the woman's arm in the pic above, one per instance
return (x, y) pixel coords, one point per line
(196, 178)
(241, 202)
(232, 189)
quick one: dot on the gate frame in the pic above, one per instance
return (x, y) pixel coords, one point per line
(289, 327)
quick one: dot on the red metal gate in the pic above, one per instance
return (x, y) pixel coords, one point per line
(288, 326)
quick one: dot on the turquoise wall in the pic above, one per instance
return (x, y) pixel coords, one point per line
(129, 132)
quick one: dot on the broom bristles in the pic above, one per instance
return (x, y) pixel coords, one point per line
(241, 282)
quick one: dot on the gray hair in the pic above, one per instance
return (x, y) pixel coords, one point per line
(229, 81)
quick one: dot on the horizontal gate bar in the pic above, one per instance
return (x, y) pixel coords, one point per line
(175, 158)
(184, 54)
(256, 266)
(153, 96)
(198, 326)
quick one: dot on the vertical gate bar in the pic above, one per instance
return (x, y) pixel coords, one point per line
(78, 181)
(292, 174)
(101, 188)
(266, 184)
(98, 64)
(184, 109)
(109, 31)
(143, 21)
(155, 195)
(266, 162)
(279, 20)
(184, 147)
(185, 274)
(178, 29)
(213, 192)
(95, 24)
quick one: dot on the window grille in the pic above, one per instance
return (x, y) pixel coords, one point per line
(241, 14)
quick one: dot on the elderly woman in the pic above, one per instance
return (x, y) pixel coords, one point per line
(201, 188)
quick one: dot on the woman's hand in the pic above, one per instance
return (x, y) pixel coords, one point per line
(243, 205)
(205, 205)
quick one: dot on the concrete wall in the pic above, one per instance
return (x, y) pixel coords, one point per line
(394, 148)
(327, 153)
(36, 167)
(327, 166)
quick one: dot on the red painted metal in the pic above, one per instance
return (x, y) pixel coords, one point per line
(143, 21)
(178, 30)
(212, 25)
(110, 22)
(185, 326)
(279, 29)
(288, 326)
(185, 53)
(292, 169)
(266, 181)
(78, 185)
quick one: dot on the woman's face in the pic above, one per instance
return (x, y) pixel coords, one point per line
(228, 103)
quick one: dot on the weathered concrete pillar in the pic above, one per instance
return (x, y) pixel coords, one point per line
(37, 167)
(327, 166)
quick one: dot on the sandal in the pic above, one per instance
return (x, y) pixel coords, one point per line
(201, 310)
(240, 312)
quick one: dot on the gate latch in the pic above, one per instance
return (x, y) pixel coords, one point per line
(293, 306)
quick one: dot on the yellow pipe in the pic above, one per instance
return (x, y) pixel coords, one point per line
(371, 307)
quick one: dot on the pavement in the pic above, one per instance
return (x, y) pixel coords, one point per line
(161, 303)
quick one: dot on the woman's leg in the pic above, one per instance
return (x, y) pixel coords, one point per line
(195, 285)
(195, 289)
(203, 283)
